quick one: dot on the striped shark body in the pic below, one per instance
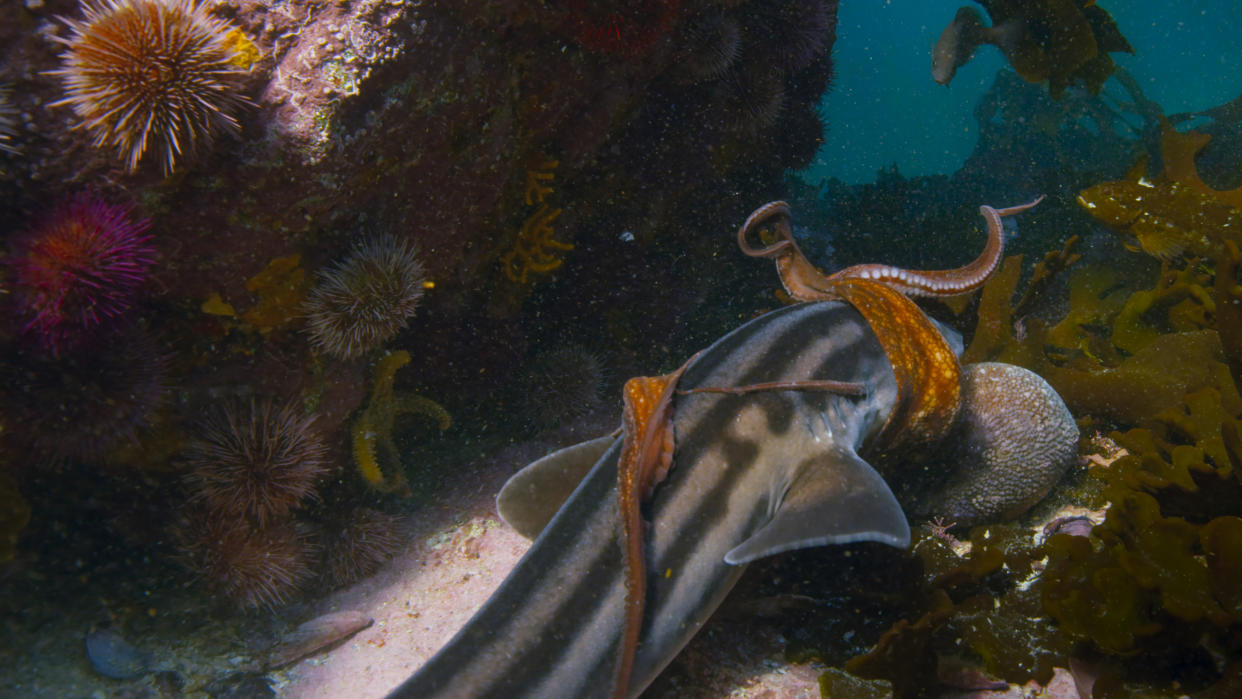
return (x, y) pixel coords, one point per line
(752, 475)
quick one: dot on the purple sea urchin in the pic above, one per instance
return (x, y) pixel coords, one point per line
(253, 567)
(751, 99)
(151, 74)
(562, 384)
(85, 262)
(709, 46)
(796, 31)
(358, 543)
(367, 298)
(255, 461)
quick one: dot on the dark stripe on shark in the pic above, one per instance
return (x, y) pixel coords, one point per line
(712, 505)
(790, 336)
(475, 640)
(552, 649)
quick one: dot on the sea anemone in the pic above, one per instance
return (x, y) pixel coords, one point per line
(367, 298)
(256, 461)
(358, 542)
(84, 263)
(561, 384)
(81, 404)
(151, 73)
(254, 567)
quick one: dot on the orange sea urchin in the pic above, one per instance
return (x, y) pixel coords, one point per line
(367, 298)
(151, 73)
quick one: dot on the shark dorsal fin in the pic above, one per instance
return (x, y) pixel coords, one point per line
(533, 495)
(835, 498)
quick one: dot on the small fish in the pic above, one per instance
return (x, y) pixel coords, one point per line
(966, 33)
(1165, 218)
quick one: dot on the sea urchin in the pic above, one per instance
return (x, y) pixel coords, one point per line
(252, 567)
(358, 542)
(255, 460)
(86, 261)
(562, 384)
(367, 298)
(151, 74)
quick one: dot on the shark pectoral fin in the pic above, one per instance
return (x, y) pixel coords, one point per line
(834, 499)
(533, 495)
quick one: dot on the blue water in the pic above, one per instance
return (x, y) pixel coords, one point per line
(884, 107)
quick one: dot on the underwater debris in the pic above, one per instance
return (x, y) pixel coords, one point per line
(312, 636)
(377, 457)
(1060, 41)
(153, 74)
(367, 298)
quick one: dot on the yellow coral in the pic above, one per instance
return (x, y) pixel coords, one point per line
(535, 189)
(371, 434)
(532, 251)
(281, 289)
(245, 53)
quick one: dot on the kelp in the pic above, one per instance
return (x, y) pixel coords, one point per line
(1114, 355)
(1164, 566)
